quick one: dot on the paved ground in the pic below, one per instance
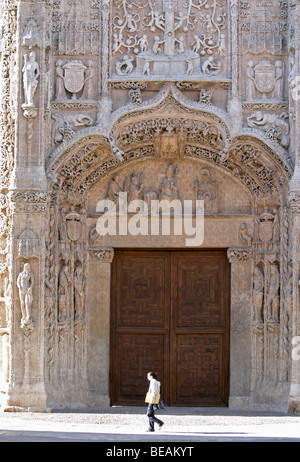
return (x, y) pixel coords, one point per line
(128, 425)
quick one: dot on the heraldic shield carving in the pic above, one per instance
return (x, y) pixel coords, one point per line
(74, 226)
(74, 76)
(265, 76)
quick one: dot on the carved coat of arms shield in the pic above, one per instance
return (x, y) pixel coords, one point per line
(74, 76)
(265, 231)
(74, 226)
(264, 76)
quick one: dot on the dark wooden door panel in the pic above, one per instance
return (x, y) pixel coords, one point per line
(199, 375)
(139, 323)
(137, 355)
(170, 313)
(198, 286)
(200, 328)
(142, 290)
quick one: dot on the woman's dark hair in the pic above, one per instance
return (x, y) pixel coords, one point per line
(153, 374)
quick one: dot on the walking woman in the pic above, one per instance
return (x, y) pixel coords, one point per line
(154, 390)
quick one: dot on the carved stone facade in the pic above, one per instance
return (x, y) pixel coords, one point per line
(166, 100)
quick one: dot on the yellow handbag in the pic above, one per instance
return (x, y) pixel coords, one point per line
(148, 398)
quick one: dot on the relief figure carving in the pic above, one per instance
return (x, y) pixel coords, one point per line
(79, 284)
(273, 299)
(206, 191)
(25, 282)
(258, 294)
(31, 73)
(64, 281)
(65, 125)
(276, 127)
(168, 189)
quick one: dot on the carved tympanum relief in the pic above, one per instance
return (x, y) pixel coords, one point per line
(158, 38)
(175, 180)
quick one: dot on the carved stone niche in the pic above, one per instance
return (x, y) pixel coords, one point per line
(28, 244)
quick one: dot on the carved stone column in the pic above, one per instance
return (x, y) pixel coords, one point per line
(26, 382)
(99, 288)
(294, 399)
(105, 105)
(7, 142)
(32, 98)
(240, 334)
(234, 104)
(295, 18)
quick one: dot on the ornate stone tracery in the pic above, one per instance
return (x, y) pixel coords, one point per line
(157, 99)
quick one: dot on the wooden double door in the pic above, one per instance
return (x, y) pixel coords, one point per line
(170, 314)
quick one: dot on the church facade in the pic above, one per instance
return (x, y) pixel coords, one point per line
(150, 203)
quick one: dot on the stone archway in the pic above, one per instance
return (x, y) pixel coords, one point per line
(246, 169)
(247, 215)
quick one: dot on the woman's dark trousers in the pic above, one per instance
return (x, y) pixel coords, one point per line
(152, 418)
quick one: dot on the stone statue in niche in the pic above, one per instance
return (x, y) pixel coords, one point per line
(79, 283)
(250, 82)
(168, 189)
(31, 36)
(273, 299)
(264, 80)
(64, 281)
(276, 127)
(31, 73)
(89, 74)
(62, 225)
(25, 282)
(28, 244)
(258, 294)
(206, 190)
(59, 81)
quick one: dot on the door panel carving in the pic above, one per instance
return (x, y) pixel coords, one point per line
(170, 313)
